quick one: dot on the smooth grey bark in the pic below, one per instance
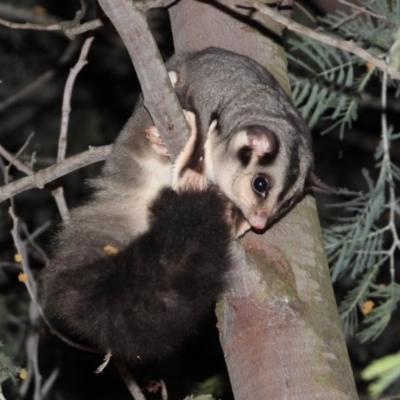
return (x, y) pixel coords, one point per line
(278, 322)
(279, 325)
(159, 96)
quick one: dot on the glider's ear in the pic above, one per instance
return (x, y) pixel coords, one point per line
(318, 185)
(261, 140)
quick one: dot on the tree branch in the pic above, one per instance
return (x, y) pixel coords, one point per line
(66, 105)
(46, 175)
(15, 157)
(31, 284)
(279, 314)
(365, 11)
(159, 96)
(14, 161)
(64, 26)
(129, 380)
(348, 46)
(58, 193)
(70, 28)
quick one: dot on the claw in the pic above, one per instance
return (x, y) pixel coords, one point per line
(156, 142)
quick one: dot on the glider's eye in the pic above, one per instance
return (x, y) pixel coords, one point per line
(260, 185)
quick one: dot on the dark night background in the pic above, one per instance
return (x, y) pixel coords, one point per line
(103, 98)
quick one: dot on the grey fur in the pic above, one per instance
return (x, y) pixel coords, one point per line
(238, 90)
(241, 94)
(248, 132)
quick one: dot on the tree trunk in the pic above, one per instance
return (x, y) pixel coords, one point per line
(279, 325)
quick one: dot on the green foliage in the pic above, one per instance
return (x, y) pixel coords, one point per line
(358, 244)
(372, 32)
(328, 85)
(215, 384)
(7, 369)
(384, 371)
(328, 82)
(395, 52)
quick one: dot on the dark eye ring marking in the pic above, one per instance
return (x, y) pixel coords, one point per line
(260, 185)
(287, 204)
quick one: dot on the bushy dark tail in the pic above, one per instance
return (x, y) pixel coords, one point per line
(147, 298)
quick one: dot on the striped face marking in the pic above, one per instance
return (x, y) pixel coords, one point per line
(261, 175)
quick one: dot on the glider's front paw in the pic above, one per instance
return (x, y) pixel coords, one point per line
(156, 142)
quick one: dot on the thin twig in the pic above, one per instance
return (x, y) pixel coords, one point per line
(32, 341)
(67, 27)
(66, 105)
(5, 264)
(363, 10)
(82, 28)
(386, 144)
(50, 381)
(2, 167)
(27, 25)
(130, 382)
(31, 285)
(39, 230)
(30, 282)
(32, 350)
(25, 384)
(58, 193)
(59, 198)
(74, 28)
(38, 160)
(35, 246)
(46, 175)
(7, 170)
(81, 12)
(14, 161)
(305, 12)
(348, 45)
(343, 21)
